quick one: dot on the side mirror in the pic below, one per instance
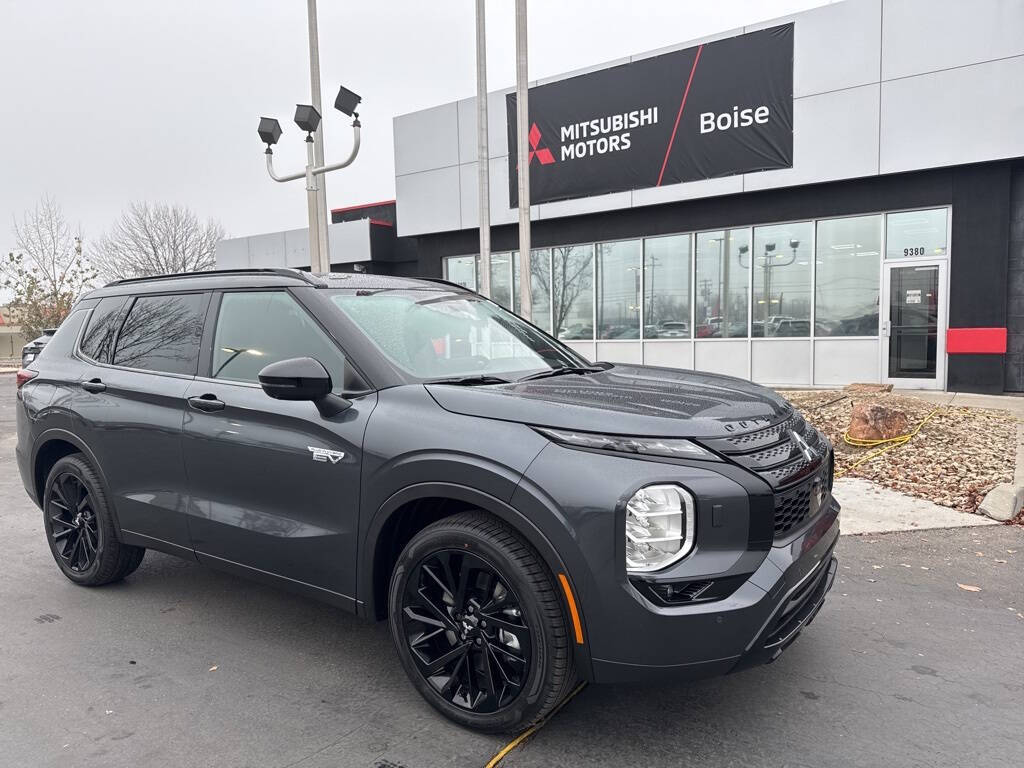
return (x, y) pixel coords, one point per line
(304, 379)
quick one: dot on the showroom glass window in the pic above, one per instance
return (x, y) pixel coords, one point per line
(501, 279)
(916, 234)
(461, 270)
(846, 283)
(572, 291)
(619, 290)
(257, 328)
(667, 287)
(162, 333)
(781, 258)
(722, 274)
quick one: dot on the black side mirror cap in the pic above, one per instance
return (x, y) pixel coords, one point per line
(304, 379)
(298, 378)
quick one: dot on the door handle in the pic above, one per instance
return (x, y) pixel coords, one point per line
(94, 386)
(207, 403)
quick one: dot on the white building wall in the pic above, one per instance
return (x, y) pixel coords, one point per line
(348, 242)
(879, 86)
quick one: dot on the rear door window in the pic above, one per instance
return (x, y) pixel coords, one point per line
(257, 328)
(107, 316)
(162, 333)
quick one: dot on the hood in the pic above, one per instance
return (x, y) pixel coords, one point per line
(625, 400)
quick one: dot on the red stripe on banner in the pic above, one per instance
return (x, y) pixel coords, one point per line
(679, 114)
(978, 341)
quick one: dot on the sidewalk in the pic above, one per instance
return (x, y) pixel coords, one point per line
(1012, 403)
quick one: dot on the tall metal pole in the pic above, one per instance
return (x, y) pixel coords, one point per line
(322, 214)
(311, 190)
(522, 155)
(483, 164)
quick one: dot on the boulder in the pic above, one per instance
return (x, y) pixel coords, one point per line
(871, 421)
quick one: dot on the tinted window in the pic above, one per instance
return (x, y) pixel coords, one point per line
(440, 334)
(258, 328)
(162, 333)
(98, 343)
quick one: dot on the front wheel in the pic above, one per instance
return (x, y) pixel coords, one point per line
(478, 624)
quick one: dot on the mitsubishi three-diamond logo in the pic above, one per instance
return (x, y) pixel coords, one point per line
(543, 154)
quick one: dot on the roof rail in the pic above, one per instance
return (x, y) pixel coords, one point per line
(442, 281)
(282, 272)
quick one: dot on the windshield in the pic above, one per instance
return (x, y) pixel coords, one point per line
(439, 334)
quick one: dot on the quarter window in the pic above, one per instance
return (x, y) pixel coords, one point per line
(98, 343)
(162, 333)
(257, 328)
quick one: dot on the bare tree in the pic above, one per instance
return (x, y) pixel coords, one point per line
(157, 239)
(48, 273)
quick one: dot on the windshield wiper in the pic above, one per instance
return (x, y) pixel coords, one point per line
(561, 371)
(471, 381)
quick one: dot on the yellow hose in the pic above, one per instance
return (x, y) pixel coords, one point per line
(532, 729)
(887, 444)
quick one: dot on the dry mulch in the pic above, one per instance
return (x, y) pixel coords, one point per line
(956, 458)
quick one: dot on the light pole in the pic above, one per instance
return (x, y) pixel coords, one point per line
(483, 282)
(307, 117)
(523, 153)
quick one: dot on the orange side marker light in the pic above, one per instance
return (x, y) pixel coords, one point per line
(577, 627)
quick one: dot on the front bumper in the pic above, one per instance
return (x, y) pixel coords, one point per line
(751, 627)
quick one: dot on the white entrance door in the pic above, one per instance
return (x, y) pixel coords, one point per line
(914, 324)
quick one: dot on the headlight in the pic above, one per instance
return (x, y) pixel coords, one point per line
(673, 448)
(659, 527)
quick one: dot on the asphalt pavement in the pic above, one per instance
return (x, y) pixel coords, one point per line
(184, 666)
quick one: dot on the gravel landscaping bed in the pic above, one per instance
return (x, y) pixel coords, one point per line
(956, 458)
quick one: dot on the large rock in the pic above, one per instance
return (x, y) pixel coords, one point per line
(871, 421)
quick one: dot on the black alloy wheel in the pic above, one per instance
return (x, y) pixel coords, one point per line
(479, 624)
(74, 528)
(80, 527)
(465, 631)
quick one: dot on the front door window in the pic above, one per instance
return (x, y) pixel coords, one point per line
(914, 322)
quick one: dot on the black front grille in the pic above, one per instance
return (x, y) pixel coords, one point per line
(795, 460)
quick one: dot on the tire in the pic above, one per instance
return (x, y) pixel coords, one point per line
(502, 646)
(80, 529)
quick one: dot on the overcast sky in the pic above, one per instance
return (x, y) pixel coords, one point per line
(108, 101)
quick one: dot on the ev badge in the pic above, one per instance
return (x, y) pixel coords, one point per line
(324, 455)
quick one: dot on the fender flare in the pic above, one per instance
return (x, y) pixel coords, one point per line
(58, 433)
(491, 504)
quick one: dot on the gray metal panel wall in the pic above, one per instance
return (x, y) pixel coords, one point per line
(879, 87)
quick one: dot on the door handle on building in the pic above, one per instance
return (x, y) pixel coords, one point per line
(886, 326)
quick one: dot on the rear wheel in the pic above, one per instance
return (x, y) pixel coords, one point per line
(80, 529)
(478, 624)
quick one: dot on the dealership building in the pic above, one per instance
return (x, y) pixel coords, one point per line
(830, 197)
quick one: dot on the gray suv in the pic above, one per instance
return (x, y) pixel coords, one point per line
(410, 451)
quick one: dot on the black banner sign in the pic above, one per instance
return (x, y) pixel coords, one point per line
(718, 109)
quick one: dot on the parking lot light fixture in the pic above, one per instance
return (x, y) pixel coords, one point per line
(347, 101)
(307, 117)
(269, 131)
